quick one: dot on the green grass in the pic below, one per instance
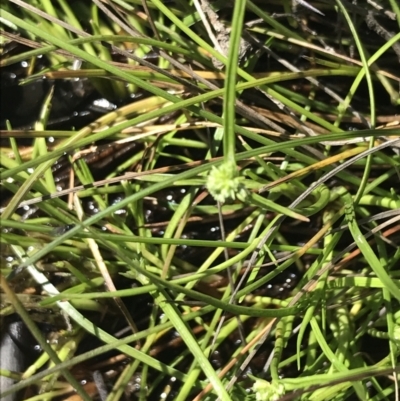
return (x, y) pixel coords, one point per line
(291, 151)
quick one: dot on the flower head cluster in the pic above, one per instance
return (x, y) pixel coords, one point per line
(266, 391)
(224, 183)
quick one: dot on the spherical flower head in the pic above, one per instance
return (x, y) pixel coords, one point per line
(266, 391)
(224, 183)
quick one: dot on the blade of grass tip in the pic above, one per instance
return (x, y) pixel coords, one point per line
(42, 146)
(173, 226)
(314, 167)
(56, 29)
(14, 145)
(309, 6)
(31, 180)
(380, 52)
(82, 170)
(123, 380)
(41, 142)
(272, 206)
(273, 22)
(366, 249)
(357, 385)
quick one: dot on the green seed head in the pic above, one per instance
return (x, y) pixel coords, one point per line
(266, 391)
(224, 183)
